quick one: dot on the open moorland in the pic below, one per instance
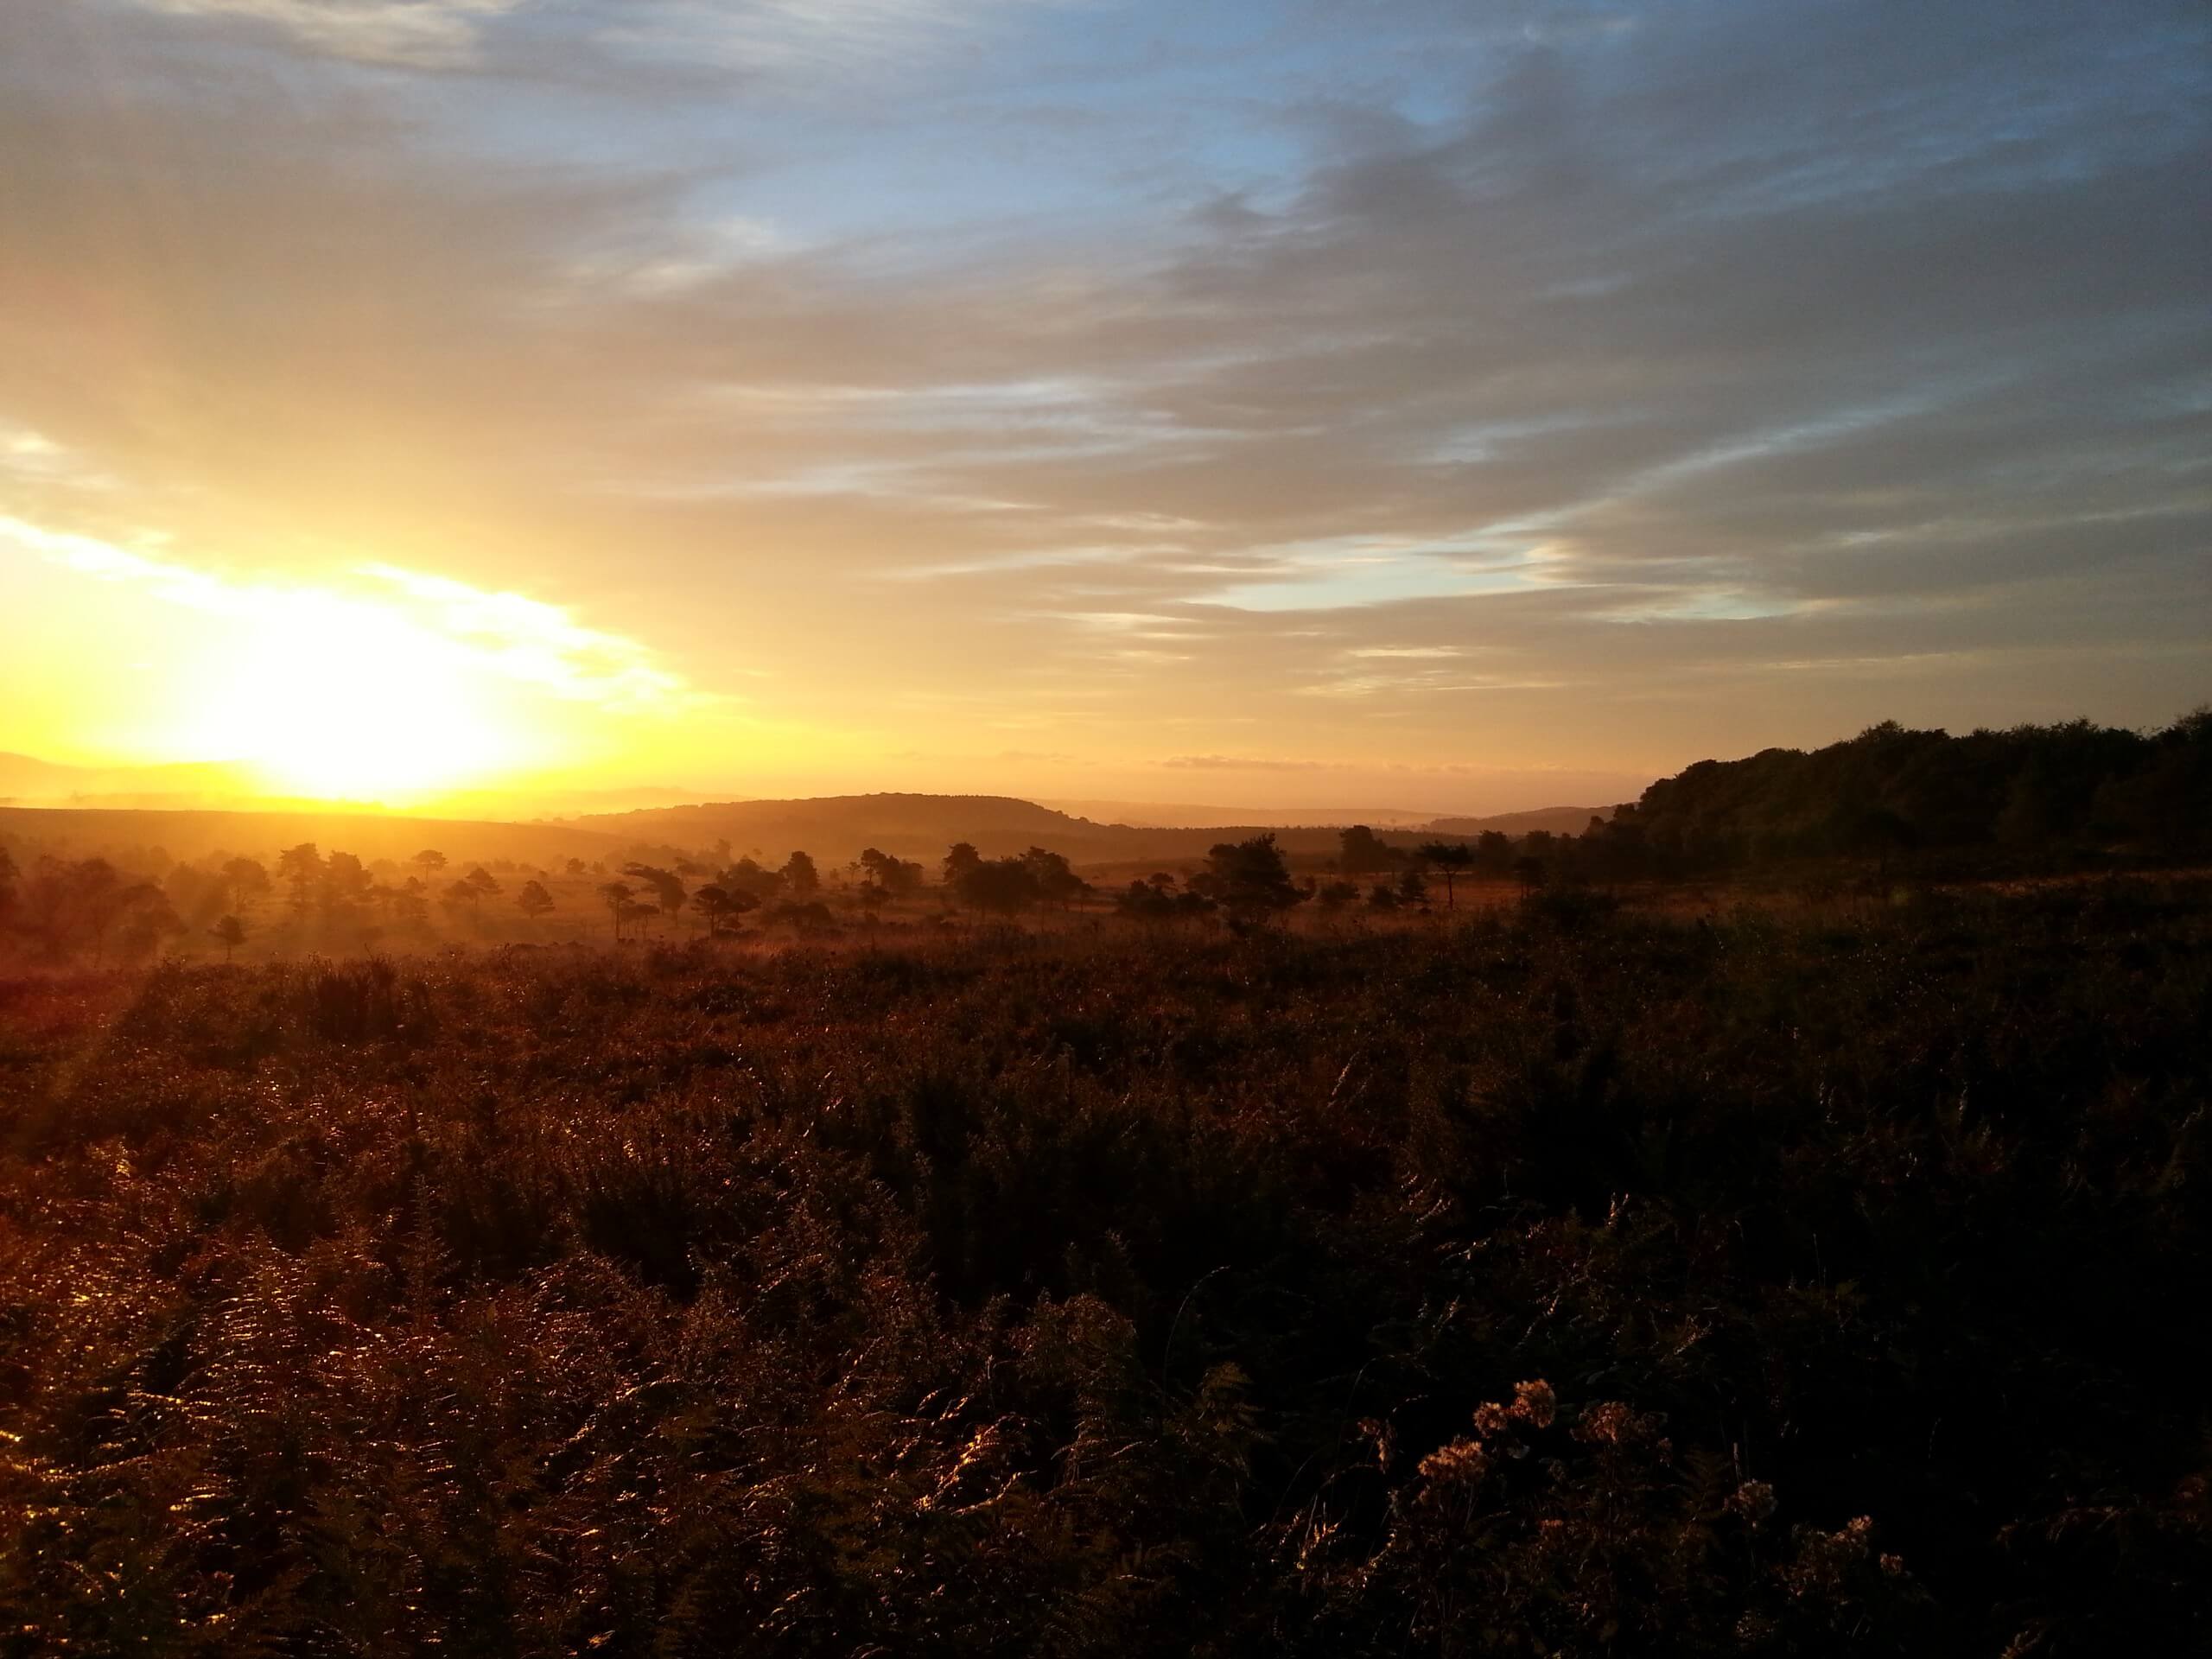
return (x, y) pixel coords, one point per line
(1547, 1281)
(1777, 1220)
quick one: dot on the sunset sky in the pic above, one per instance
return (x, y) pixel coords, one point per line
(1460, 405)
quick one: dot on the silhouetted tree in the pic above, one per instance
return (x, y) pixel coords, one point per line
(574, 867)
(1057, 883)
(1004, 887)
(718, 904)
(343, 881)
(616, 896)
(231, 932)
(1362, 852)
(1247, 878)
(1451, 859)
(800, 875)
(66, 906)
(483, 880)
(301, 868)
(959, 859)
(750, 877)
(894, 876)
(94, 890)
(411, 903)
(533, 900)
(147, 917)
(248, 880)
(667, 885)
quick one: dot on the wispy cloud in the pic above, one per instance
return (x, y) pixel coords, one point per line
(740, 34)
(28, 456)
(421, 34)
(1240, 763)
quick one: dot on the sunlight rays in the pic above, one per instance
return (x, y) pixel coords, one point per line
(377, 683)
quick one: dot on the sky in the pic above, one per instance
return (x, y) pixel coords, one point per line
(1471, 406)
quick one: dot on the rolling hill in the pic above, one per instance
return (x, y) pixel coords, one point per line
(124, 833)
(835, 827)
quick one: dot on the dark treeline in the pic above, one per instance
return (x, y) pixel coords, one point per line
(1750, 1287)
(2033, 792)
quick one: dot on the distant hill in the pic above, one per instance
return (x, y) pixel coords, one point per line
(1175, 815)
(27, 781)
(835, 827)
(82, 831)
(1558, 820)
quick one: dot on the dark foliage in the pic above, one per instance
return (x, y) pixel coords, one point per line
(1566, 1283)
(2038, 790)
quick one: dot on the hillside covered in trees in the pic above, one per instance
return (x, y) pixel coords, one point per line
(2036, 790)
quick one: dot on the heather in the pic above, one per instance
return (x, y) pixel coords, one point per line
(1815, 1278)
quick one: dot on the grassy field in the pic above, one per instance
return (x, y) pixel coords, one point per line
(1540, 1280)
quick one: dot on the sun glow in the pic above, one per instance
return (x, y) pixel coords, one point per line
(347, 698)
(371, 684)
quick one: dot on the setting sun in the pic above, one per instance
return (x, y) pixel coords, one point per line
(351, 699)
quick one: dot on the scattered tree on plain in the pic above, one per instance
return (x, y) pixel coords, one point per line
(959, 859)
(721, 904)
(669, 893)
(999, 887)
(301, 868)
(1362, 852)
(1450, 859)
(1247, 878)
(248, 879)
(617, 897)
(1057, 883)
(1494, 853)
(893, 877)
(232, 932)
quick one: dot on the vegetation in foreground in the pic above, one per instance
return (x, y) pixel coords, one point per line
(1559, 1283)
